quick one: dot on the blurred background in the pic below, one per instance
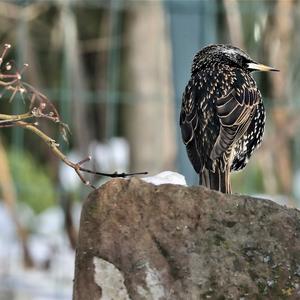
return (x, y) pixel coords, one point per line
(115, 71)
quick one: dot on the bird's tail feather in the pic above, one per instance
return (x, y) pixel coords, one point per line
(218, 180)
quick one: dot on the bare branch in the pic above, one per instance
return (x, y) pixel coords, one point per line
(53, 145)
(14, 118)
(41, 107)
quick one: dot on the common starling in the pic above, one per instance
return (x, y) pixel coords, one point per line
(222, 116)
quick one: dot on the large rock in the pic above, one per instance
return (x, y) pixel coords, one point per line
(140, 241)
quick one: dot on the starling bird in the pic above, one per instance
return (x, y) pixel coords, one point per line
(222, 116)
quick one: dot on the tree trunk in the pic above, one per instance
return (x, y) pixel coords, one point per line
(281, 34)
(148, 116)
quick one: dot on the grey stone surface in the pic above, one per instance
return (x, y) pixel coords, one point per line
(177, 242)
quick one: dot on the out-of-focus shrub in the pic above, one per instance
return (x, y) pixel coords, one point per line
(33, 186)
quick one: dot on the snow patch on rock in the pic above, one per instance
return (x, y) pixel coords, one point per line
(166, 177)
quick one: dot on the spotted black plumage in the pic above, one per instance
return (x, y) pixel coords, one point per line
(222, 116)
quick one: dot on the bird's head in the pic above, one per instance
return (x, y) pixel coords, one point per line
(228, 55)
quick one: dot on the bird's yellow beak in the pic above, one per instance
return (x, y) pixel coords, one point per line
(260, 67)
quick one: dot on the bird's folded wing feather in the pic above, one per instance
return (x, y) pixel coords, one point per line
(235, 111)
(189, 123)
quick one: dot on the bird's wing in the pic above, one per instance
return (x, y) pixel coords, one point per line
(235, 111)
(212, 121)
(199, 122)
(189, 123)
(250, 140)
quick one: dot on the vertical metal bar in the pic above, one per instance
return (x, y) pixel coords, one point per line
(64, 94)
(113, 71)
(17, 104)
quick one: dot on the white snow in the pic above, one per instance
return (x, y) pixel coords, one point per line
(111, 156)
(67, 176)
(106, 157)
(166, 177)
(47, 243)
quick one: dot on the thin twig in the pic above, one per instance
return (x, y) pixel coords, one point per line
(13, 118)
(53, 145)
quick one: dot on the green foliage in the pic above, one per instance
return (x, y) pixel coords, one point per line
(249, 181)
(33, 185)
